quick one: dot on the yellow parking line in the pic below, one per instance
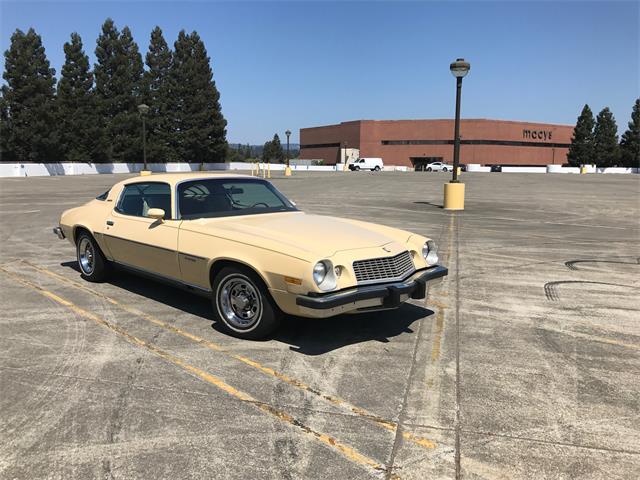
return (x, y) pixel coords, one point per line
(387, 424)
(437, 336)
(347, 451)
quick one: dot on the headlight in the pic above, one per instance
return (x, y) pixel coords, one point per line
(430, 252)
(319, 273)
(324, 275)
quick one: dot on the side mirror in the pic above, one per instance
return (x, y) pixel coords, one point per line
(156, 213)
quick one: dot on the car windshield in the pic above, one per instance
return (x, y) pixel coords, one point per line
(206, 198)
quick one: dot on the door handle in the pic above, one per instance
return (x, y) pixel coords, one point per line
(110, 222)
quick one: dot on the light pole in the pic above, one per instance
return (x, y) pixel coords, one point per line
(459, 69)
(144, 109)
(454, 191)
(287, 171)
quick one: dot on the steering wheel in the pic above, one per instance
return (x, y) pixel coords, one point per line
(259, 203)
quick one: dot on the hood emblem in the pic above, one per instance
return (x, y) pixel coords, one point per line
(386, 249)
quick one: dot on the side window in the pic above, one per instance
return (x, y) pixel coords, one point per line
(103, 196)
(138, 198)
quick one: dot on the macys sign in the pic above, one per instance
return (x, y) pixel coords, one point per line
(536, 134)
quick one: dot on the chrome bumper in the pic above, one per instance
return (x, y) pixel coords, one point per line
(59, 232)
(382, 296)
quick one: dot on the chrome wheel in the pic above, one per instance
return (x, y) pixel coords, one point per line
(239, 302)
(86, 256)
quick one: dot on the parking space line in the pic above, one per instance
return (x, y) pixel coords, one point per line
(361, 412)
(346, 451)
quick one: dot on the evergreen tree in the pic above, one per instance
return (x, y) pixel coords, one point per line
(630, 142)
(29, 126)
(157, 97)
(267, 151)
(199, 128)
(581, 151)
(277, 152)
(605, 139)
(118, 76)
(81, 134)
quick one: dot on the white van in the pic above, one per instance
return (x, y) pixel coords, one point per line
(373, 164)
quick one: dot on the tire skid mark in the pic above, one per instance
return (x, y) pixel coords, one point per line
(347, 452)
(337, 401)
(551, 292)
(571, 265)
(46, 391)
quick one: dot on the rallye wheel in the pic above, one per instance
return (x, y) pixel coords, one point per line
(242, 304)
(93, 265)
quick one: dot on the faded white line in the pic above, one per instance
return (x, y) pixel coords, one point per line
(18, 211)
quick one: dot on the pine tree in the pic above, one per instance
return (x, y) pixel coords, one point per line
(605, 139)
(199, 128)
(630, 142)
(81, 134)
(581, 151)
(278, 152)
(267, 151)
(118, 75)
(157, 96)
(29, 123)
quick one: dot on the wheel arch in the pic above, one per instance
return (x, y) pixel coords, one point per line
(80, 228)
(218, 264)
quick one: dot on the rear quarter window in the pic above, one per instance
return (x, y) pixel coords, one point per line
(103, 196)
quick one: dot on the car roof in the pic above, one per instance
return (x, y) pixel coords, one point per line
(173, 178)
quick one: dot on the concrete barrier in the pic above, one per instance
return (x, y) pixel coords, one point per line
(68, 168)
(476, 167)
(524, 169)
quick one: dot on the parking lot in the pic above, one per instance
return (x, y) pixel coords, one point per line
(523, 363)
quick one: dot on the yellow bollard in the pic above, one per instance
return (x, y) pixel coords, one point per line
(583, 170)
(269, 170)
(287, 171)
(264, 171)
(454, 196)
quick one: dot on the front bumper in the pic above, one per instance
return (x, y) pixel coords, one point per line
(382, 296)
(59, 232)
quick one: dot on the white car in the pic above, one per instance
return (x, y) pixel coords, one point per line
(373, 164)
(438, 167)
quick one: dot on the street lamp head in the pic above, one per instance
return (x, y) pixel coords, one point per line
(143, 109)
(287, 133)
(460, 68)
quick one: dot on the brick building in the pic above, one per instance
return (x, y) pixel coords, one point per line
(416, 142)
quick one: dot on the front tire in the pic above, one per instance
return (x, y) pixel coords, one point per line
(357, 169)
(444, 169)
(242, 304)
(377, 169)
(94, 267)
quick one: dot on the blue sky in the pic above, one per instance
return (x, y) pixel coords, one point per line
(282, 65)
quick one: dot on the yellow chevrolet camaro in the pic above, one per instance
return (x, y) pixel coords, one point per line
(239, 241)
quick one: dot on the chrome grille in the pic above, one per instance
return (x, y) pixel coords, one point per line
(385, 268)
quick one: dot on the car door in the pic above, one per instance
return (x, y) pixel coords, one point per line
(134, 239)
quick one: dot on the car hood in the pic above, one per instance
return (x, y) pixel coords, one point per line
(297, 233)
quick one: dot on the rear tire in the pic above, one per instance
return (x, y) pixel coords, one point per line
(242, 304)
(93, 265)
(429, 169)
